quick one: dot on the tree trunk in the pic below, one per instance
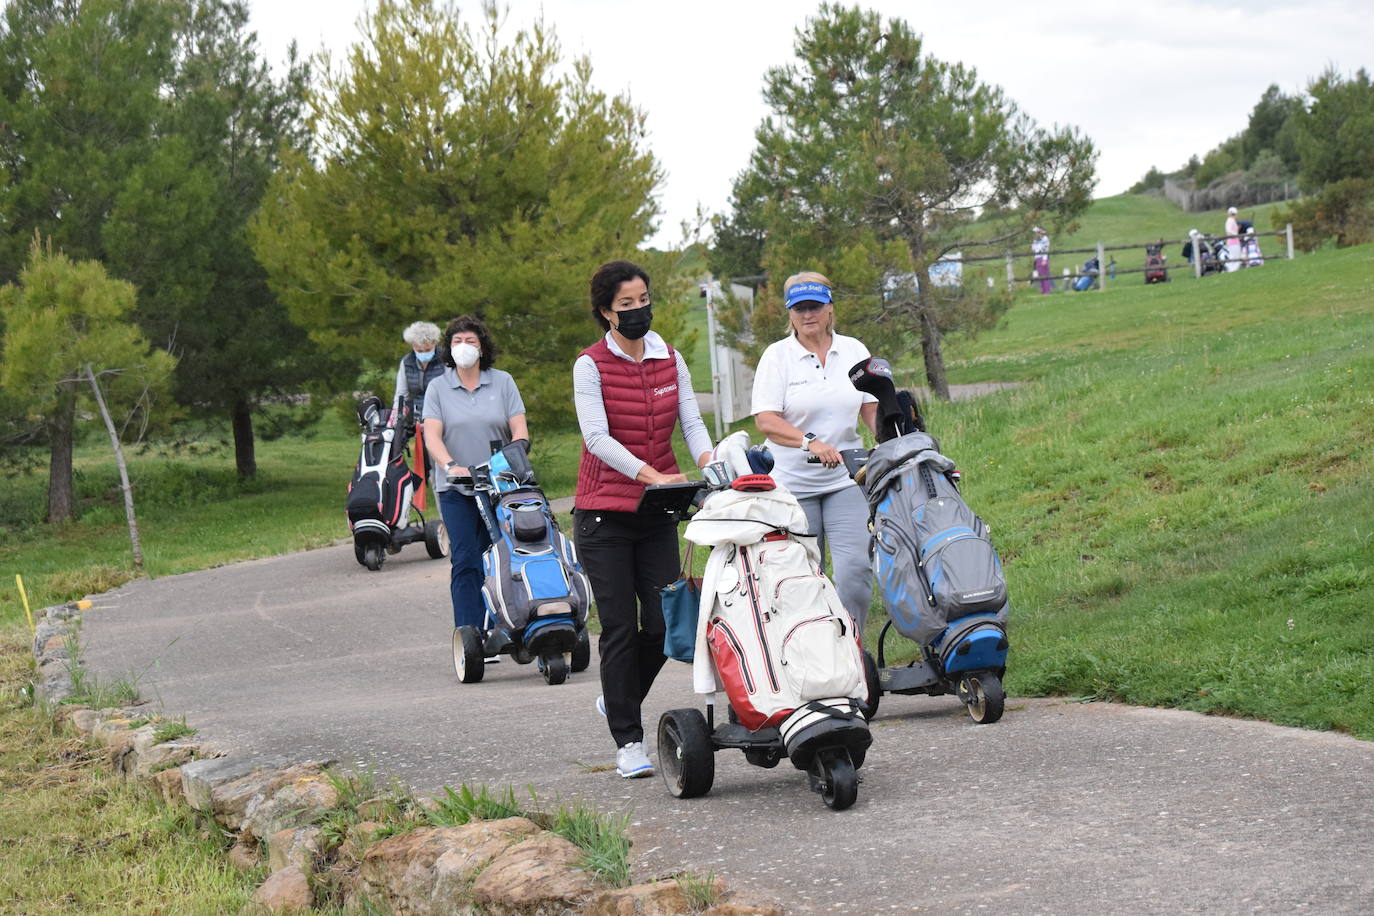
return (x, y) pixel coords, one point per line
(933, 356)
(245, 458)
(123, 468)
(61, 504)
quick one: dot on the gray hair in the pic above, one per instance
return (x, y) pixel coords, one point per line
(421, 332)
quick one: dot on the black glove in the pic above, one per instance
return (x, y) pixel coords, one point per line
(523, 443)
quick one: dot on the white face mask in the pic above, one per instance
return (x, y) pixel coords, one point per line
(465, 356)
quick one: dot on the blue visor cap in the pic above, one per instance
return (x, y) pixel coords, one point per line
(808, 292)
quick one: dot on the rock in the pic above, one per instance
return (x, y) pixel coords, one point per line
(243, 855)
(660, 898)
(403, 870)
(83, 719)
(735, 908)
(285, 891)
(374, 809)
(231, 801)
(54, 682)
(200, 778)
(360, 836)
(49, 636)
(536, 875)
(161, 756)
(293, 804)
(167, 783)
(299, 846)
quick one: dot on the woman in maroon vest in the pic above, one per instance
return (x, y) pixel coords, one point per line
(631, 390)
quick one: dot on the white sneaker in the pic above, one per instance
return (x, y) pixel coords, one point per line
(601, 704)
(631, 762)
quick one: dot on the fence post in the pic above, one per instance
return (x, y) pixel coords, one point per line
(1288, 229)
(1197, 256)
(1011, 274)
(1101, 269)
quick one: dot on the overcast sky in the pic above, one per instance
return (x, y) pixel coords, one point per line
(1150, 82)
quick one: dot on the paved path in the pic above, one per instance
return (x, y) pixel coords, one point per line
(1060, 808)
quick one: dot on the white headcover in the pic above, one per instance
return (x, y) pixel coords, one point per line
(732, 451)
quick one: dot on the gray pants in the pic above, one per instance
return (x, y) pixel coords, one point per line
(841, 520)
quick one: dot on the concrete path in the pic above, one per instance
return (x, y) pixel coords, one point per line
(1060, 808)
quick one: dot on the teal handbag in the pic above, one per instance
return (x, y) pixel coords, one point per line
(681, 603)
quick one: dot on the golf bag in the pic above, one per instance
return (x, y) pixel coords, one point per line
(771, 624)
(379, 495)
(1089, 276)
(940, 578)
(533, 587)
(932, 557)
(1155, 271)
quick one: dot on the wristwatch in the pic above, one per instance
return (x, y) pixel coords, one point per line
(807, 439)
(450, 464)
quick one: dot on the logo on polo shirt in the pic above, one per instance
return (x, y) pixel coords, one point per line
(666, 389)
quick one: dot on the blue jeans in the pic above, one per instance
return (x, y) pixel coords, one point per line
(468, 538)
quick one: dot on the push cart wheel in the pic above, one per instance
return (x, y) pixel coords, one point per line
(582, 651)
(982, 694)
(834, 777)
(373, 556)
(359, 554)
(436, 539)
(554, 668)
(468, 660)
(869, 705)
(685, 755)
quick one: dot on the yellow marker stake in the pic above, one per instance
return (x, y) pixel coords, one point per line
(19, 581)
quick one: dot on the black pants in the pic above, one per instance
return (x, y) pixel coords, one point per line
(627, 557)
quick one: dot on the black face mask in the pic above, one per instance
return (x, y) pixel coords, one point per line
(634, 323)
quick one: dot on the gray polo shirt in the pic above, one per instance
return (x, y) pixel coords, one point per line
(472, 419)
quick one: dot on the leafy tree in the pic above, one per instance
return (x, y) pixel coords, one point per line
(1225, 159)
(872, 166)
(79, 95)
(179, 229)
(1267, 120)
(1153, 180)
(61, 317)
(1341, 213)
(455, 173)
(1335, 130)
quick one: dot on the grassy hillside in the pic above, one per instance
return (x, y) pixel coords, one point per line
(1182, 489)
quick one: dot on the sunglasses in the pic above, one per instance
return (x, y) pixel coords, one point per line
(806, 307)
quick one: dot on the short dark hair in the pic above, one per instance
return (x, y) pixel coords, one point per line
(606, 281)
(475, 325)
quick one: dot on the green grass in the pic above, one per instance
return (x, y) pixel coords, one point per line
(79, 841)
(1181, 491)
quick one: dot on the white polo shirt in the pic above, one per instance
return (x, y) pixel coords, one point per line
(816, 399)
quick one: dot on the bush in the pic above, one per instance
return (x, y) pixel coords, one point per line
(1342, 211)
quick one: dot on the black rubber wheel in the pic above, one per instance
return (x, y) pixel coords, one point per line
(839, 784)
(469, 662)
(869, 705)
(982, 694)
(373, 556)
(685, 755)
(554, 668)
(359, 554)
(436, 539)
(582, 651)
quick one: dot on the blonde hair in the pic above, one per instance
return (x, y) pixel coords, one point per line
(809, 276)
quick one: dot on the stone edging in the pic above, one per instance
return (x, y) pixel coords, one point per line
(508, 867)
